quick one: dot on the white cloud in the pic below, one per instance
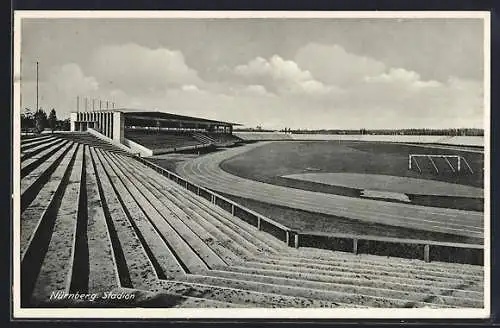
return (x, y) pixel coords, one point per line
(69, 79)
(281, 76)
(332, 64)
(400, 75)
(190, 87)
(134, 68)
(60, 89)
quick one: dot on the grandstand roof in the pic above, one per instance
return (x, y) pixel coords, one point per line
(169, 116)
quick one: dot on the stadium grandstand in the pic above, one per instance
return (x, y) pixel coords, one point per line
(95, 219)
(152, 132)
(99, 213)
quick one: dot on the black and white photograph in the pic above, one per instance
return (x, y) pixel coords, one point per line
(176, 164)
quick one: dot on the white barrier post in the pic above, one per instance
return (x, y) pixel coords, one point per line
(409, 162)
(427, 253)
(458, 157)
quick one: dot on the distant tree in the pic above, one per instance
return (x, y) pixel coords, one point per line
(65, 125)
(27, 120)
(40, 120)
(52, 120)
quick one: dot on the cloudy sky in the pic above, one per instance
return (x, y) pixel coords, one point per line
(297, 73)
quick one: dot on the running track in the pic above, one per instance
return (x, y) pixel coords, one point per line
(205, 171)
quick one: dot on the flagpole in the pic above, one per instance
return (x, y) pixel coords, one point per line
(36, 109)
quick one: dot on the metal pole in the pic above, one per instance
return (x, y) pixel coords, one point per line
(77, 104)
(93, 104)
(36, 86)
(86, 103)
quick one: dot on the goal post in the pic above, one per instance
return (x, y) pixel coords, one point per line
(460, 161)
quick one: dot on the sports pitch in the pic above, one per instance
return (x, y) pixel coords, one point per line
(311, 161)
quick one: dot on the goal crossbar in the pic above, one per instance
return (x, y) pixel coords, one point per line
(412, 159)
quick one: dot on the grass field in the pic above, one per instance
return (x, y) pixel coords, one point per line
(272, 161)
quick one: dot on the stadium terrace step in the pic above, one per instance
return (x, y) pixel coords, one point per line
(174, 226)
(31, 143)
(45, 202)
(205, 212)
(358, 280)
(159, 250)
(261, 239)
(207, 238)
(403, 278)
(25, 137)
(403, 295)
(403, 264)
(203, 138)
(244, 296)
(134, 265)
(39, 148)
(28, 164)
(339, 298)
(360, 269)
(162, 140)
(223, 139)
(91, 140)
(56, 271)
(38, 176)
(103, 271)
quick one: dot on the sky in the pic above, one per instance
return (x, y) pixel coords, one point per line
(328, 73)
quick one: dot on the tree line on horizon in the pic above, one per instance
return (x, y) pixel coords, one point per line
(38, 121)
(421, 131)
(415, 131)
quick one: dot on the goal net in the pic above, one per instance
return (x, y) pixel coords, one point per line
(453, 163)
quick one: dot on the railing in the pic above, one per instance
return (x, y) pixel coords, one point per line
(426, 250)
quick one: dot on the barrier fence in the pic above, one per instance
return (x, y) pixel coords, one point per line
(426, 250)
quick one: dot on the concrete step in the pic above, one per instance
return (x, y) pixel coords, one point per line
(176, 211)
(201, 206)
(346, 289)
(103, 272)
(34, 181)
(56, 271)
(174, 226)
(338, 258)
(321, 254)
(425, 270)
(33, 142)
(162, 255)
(44, 203)
(366, 270)
(411, 282)
(378, 285)
(337, 298)
(39, 148)
(224, 292)
(134, 265)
